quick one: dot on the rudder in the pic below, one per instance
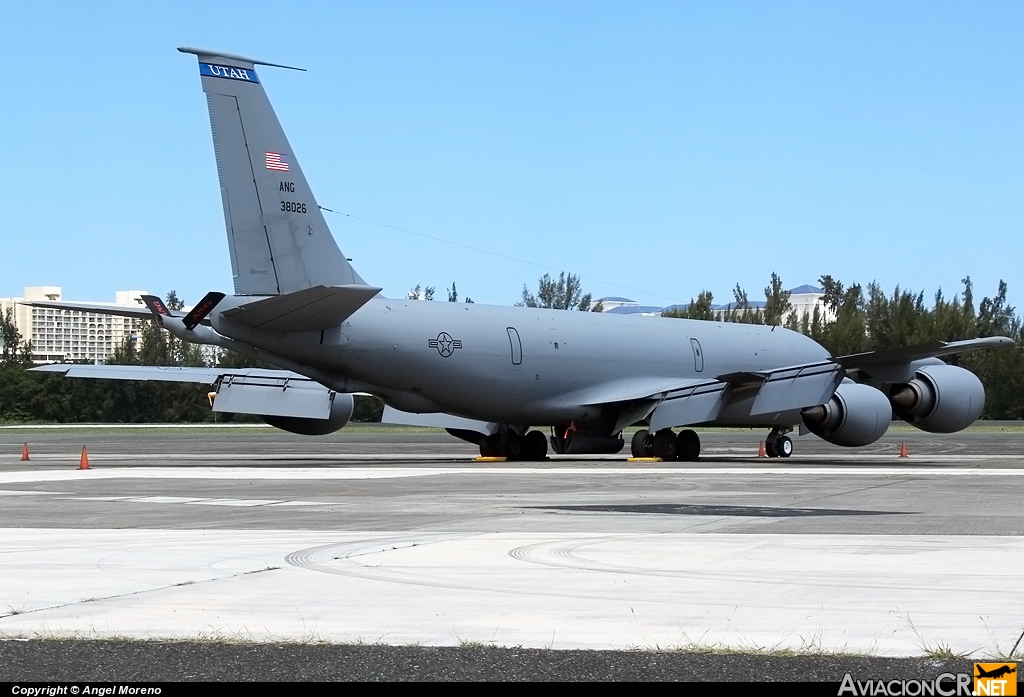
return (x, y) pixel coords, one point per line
(277, 236)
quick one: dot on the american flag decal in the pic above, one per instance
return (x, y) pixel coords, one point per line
(277, 161)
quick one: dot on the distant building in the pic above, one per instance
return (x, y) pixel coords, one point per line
(805, 298)
(70, 335)
(802, 298)
(613, 302)
(636, 309)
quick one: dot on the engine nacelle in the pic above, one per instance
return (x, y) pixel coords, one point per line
(940, 399)
(856, 415)
(341, 411)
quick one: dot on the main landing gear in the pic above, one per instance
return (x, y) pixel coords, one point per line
(666, 445)
(778, 444)
(531, 446)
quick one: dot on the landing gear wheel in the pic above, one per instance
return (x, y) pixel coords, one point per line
(514, 447)
(664, 445)
(535, 446)
(490, 447)
(688, 446)
(783, 446)
(636, 446)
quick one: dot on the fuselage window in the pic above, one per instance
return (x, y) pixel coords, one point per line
(516, 346)
(698, 355)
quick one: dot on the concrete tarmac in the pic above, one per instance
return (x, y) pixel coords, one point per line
(400, 537)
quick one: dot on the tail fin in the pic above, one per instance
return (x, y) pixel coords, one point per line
(277, 235)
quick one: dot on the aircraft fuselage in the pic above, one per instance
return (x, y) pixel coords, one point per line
(523, 365)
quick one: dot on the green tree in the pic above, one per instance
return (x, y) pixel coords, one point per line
(419, 293)
(174, 303)
(12, 341)
(846, 333)
(697, 309)
(777, 305)
(565, 293)
(740, 309)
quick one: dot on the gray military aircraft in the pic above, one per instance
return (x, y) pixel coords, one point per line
(485, 373)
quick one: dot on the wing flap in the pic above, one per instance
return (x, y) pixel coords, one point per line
(797, 388)
(310, 309)
(692, 405)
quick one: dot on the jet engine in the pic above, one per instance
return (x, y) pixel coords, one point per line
(856, 415)
(940, 399)
(341, 412)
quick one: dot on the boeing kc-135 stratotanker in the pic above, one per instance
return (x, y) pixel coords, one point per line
(488, 374)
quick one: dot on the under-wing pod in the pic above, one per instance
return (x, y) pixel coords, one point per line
(855, 415)
(342, 406)
(293, 404)
(940, 399)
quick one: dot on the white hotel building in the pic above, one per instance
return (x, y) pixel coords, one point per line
(71, 335)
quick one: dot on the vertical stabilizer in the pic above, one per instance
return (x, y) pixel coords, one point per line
(277, 236)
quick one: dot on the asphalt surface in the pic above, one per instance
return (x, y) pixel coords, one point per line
(838, 494)
(259, 479)
(119, 661)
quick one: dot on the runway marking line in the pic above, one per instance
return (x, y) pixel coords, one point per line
(342, 473)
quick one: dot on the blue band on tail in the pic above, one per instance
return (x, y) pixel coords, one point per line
(244, 74)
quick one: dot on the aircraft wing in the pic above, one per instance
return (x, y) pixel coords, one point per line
(141, 312)
(207, 376)
(779, 390)
(679, 402)
(436, 420)
(627, 390)
(908, 354)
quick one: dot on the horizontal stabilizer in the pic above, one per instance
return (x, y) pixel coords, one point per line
(436, 420)
(319, 307)
(140, 312)
(206, 376)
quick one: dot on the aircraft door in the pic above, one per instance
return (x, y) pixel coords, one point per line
(516, 345)
(698, 356)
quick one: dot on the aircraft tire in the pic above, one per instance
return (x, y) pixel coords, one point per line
(636, 446)
(769, 448)
(514, 447)
(688, 446)
(536, 446)
(665, 445)
(783, 446)
(490, 447)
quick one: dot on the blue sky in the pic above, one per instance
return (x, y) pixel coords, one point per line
(656, 149)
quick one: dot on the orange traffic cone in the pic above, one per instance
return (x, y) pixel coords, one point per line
(24, 453)
(903, 449)
(761, 452)
(84, 464)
